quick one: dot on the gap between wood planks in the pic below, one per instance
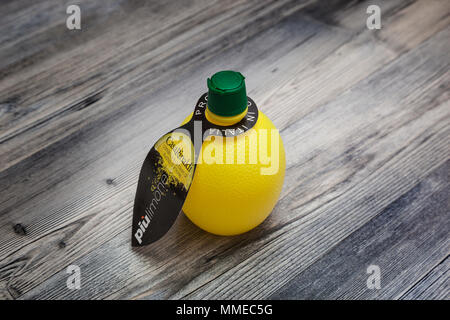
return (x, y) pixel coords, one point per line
(434, 285)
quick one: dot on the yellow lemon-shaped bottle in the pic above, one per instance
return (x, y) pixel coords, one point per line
(237, 180)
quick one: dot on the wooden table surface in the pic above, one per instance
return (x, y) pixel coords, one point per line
(364, 116)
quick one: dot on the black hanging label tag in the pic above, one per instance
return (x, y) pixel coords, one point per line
(168, 170)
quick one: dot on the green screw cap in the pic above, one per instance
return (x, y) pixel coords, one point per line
(226, 93)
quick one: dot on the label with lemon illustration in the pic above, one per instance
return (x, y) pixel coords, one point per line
(168, 170)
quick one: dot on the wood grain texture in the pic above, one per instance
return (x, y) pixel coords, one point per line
(412, 231)
(435, 285)
(364, 116)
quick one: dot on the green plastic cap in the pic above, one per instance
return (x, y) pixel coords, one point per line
(226, 93)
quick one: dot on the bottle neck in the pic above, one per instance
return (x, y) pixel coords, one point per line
(224, 121)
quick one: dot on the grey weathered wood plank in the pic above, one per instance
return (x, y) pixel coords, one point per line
(435, 285)
(97, 153)
(120, 192)
(44, 104)
(313, 94)
(298, 232)
(404, 240)
(71, 180)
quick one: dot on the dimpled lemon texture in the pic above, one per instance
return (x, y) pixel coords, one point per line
(230, 199)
